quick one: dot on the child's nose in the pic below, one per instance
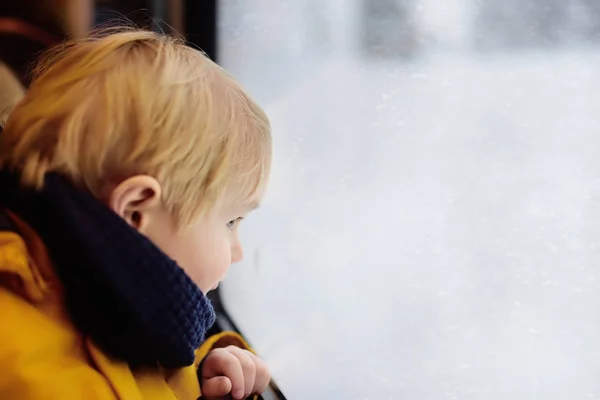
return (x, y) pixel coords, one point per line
(237, 252)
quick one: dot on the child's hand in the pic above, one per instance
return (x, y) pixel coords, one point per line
(234, 371)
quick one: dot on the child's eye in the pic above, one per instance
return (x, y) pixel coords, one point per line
(231, 224)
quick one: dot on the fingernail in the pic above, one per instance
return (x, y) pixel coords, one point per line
(239, 394)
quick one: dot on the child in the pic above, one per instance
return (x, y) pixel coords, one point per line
(124, 174)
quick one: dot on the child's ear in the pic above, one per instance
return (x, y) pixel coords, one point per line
(136, 200)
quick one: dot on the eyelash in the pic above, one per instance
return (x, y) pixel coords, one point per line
(231, 224)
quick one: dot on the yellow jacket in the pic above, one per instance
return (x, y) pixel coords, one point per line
(43, 356)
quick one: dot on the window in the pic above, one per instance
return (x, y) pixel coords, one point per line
(432, 229)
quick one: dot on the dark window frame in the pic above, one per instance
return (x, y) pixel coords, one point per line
(223, 323)
(200, 25)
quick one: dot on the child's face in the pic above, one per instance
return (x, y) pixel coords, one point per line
(205, 250)
(208, 248)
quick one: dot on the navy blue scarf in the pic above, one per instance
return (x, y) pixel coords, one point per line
(132, 300)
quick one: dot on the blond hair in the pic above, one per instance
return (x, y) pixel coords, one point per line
(119, 104)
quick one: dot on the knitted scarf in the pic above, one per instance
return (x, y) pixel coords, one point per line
(132, 300)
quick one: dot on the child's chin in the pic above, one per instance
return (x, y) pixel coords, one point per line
(215, 287)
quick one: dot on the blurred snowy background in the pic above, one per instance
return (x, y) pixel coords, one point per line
(433, 225)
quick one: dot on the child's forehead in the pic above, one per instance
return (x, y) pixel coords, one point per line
(240, 205)
(245, 196)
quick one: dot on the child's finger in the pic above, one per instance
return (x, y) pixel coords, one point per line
(263, 375)
(216, 388)
(248, 367)
(224, 363)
